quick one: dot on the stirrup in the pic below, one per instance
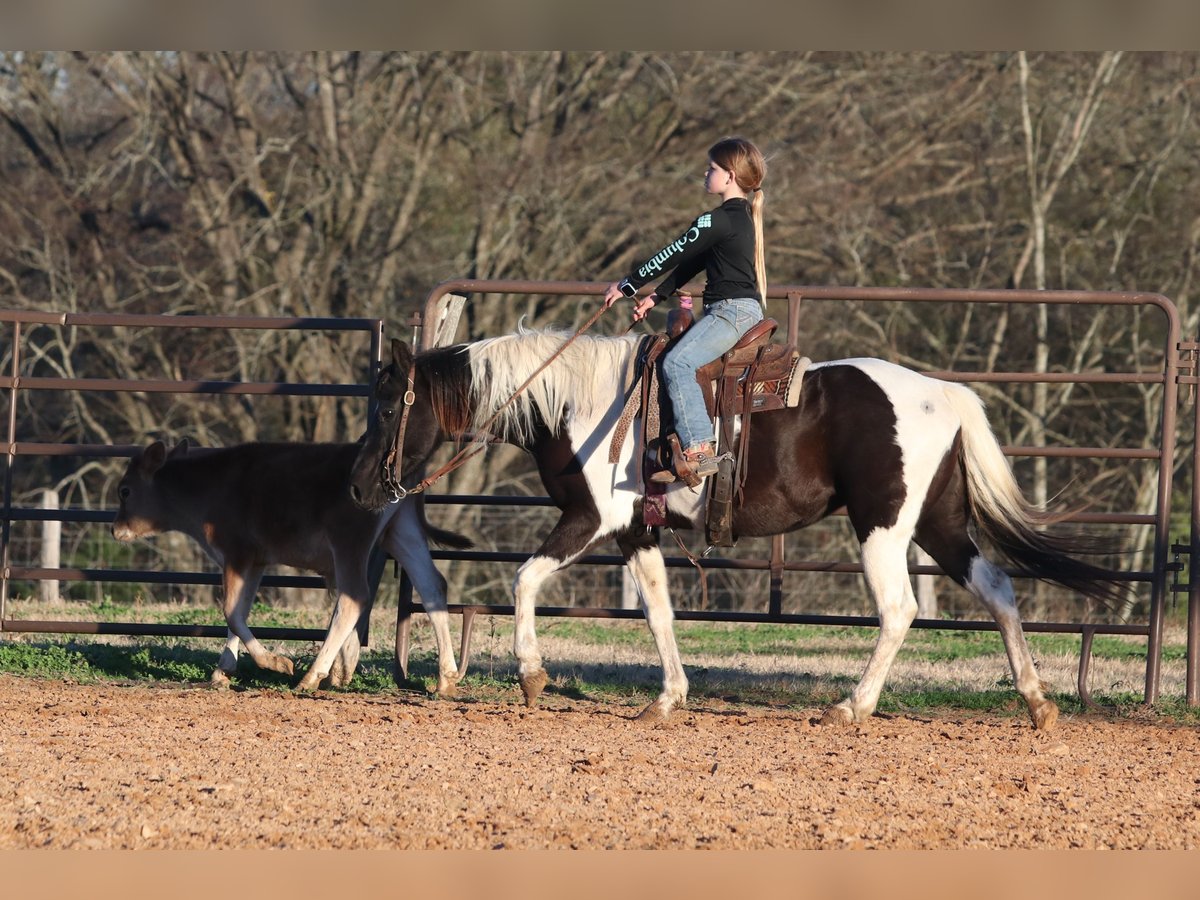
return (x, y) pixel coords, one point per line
(663, 476)
(659, 474)
(692, 468)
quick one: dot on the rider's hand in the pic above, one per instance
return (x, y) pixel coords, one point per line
(613, 294)
(643, 306)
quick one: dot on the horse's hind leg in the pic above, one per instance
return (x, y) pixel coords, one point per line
(885, 568)
(945, 538)
(994, 589)
(239, 589)
(645, 562)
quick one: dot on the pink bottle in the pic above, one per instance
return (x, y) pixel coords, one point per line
(679, 320)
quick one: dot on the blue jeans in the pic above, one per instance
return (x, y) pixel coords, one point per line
(709, 337)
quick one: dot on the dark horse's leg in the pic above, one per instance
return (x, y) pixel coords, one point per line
(241, 584)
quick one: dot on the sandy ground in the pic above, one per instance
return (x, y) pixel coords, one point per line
(111, 766)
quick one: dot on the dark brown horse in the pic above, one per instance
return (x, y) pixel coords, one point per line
(909, 457)
(256, 505)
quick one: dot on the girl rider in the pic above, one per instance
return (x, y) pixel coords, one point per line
(727, 243)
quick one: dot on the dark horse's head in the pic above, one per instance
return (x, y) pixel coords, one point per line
(388, 459)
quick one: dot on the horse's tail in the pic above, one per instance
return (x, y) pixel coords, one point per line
(441, 536)
(1010, 522)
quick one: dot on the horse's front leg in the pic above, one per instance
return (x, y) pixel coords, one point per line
(574, 532)
(645, 563)
(530, 672)
(353, 600)
(407, 543)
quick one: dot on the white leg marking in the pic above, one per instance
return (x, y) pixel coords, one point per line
(995, 591)
(240, 589)
(886, 571)
(530, 576)
(407, 544)
(650, 574)
(227, 664)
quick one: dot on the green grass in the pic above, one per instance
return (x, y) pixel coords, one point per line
(767, 639)
(186, 614)
(89, 662)
(718, 658)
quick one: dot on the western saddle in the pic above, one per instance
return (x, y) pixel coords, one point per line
(754, 376)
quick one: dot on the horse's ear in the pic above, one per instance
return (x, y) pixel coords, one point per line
(401, 355)
(179, 449)
(153, 457)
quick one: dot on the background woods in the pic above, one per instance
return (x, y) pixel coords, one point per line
(349, 184)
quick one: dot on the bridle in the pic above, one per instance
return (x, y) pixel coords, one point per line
(390, 465)
(387, 468)
(391, 461)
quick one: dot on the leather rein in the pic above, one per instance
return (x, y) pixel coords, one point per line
(391, 462)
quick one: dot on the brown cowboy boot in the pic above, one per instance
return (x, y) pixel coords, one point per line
(703, 459)
(692, 466)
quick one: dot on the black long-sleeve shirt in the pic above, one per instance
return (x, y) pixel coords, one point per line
(721, 242)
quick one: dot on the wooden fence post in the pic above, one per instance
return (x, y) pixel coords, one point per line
(926, 589)
(51, 548)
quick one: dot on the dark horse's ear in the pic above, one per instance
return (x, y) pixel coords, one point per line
(179, 449)
(153, 458)
(401, 355)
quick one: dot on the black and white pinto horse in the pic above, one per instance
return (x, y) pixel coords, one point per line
(908, 456)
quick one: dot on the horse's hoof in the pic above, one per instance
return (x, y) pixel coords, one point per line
(658, 711)
(219, 680)
(343, 668)
(837, 715)
(339, 673)
(446, 690)
(280, 664)
(310, 682)
(532, 685)
(1044, 715)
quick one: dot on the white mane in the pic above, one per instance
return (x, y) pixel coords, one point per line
(589, 376)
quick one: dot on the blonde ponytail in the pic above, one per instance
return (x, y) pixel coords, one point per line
(760, 263)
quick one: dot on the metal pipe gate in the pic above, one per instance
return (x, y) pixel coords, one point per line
(777, 564)
(1168, 377)
(14, 382)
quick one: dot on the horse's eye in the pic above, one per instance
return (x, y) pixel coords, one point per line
(124, 491)
(387, 412)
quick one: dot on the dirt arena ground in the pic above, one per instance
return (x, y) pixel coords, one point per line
(111, 766)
